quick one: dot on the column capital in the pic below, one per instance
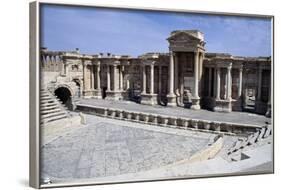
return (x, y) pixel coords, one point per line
(196, 53)
(229, 67)
(241, 69)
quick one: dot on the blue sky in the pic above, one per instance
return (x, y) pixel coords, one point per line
(134, 32)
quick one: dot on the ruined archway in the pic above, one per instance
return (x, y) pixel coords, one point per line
(64, 95)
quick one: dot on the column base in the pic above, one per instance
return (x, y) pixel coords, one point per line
(195, 103)
(97, 94)
(172, 100)
(113, 95)
(149, 99)
(223, 106)
(268, 112)
(261, 107)
(237, 105)
(125, 95)
(87, 93)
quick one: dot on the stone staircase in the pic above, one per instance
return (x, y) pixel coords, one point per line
(260, 138)
(51, 108)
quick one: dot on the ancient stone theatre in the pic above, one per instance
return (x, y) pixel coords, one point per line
(186, 76)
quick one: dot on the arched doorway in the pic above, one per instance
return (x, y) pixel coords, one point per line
(64, 95)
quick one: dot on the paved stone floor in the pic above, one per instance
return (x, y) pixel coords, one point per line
(107, 147)
(234, 117)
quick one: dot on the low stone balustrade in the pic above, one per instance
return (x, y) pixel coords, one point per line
(105, 112)
(154, 119)
(194, 123)
(120, 114)
(145, 118)
(137, 116)
(172, 121)
(129, 116)
(207, 125)
(166, 121)
(112, 113)
(216, 126)
(185, 123)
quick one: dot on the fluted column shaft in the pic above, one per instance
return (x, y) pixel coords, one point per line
(196, 74)
(98, 77)
(93, 76)
(108, 78)
(218, 83)
(121, 78)
(229, 83)
(152, 79)
(176, 74)
(240, 82)
(171, 74)
(143, 80)
(114, 77)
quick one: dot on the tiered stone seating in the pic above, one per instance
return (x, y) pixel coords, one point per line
(51, 109)
(252, 139)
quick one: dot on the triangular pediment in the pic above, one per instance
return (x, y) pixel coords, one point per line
(182, 36)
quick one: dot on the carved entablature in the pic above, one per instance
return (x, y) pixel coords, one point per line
(148, 62)
(187, 41)
(87, 62)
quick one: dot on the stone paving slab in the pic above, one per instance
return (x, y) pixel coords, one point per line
(233, 117)
(106, 147)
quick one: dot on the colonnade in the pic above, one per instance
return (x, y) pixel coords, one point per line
(176, 86)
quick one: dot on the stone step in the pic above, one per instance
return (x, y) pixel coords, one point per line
(51, 108)
(46, 120)
(50, 111)
(48, 107)
(47, 101)
(44, 95)
(45, 98)
(53, 114)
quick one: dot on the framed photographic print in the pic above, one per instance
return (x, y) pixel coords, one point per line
(131, 94)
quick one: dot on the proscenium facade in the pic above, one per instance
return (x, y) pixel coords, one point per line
(187, 76)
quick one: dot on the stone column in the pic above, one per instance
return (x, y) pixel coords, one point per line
(176, 74)
(114, 78)
(240, 83)
(196, 98)
(218, 83)
(160, 81)
(171, 74)
(259, 84)
(143, 80)
(210, 82)
(84, 74)
(85, 82)
(229, 83)
(121, 78)
(66, 69)
(151, 79)
(171, 96)
(108, 78)
(62, 67)
(93, 76)
(196, 74)
(98, 76)
(181, 85)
